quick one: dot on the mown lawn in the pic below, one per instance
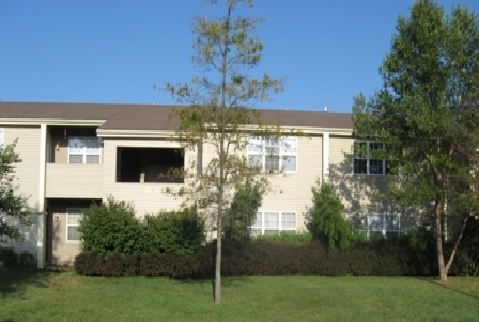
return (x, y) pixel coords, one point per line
(33, 295)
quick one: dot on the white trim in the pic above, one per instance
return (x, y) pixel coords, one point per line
(41, 249)
(44, 121)
(325, 157)
(136, 133)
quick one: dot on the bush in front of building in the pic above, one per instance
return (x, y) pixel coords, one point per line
(179, 232)
(113, 228)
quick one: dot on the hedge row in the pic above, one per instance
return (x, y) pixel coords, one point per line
(385, 258)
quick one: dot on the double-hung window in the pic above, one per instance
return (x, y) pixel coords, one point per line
(83, 149)
(273, 222)
(273, 154)
(73, 217)
(368, 158)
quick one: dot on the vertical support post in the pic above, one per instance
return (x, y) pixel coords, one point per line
(41, 249)
(325, 156)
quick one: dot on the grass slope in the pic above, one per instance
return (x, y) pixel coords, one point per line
(33, 295)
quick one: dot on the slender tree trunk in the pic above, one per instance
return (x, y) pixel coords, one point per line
(439, 244)
(222, 159)
(456, 244)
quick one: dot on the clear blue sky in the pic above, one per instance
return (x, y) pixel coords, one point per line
(114, 51)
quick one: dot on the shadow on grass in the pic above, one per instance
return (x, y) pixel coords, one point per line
(226, 281)
(438, 283)
(14, 281)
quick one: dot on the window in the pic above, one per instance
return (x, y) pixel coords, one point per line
(385, 224)
(271, 154)
(84, 149)
(273, 222)
(73, 216)
(368, 158)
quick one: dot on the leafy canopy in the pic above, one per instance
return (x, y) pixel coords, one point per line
(427, 112)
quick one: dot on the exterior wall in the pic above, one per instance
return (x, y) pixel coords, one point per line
(74, 180)
(60, 251)
(29, 233)
(357, 190)
(27, 177)
(293, 192)
(147, 197)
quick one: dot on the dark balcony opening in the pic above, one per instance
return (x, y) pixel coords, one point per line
(149, 165)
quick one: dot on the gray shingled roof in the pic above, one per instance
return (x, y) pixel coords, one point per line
(154, 117)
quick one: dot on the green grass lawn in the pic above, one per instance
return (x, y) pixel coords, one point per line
(34, 295)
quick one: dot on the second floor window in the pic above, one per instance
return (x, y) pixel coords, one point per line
(368, 158)
(82, 149)
(272, 154)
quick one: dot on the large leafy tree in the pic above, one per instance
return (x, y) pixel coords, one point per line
(219, 119)
(10, 204)
(427, 114)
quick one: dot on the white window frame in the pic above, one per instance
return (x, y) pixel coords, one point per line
(286, 147)
(259, 225)
(72, 212)
(372, 222)
(85, 151)
(368, 159)
(2, 132)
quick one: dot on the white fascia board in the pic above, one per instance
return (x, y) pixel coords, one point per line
(135, 133)
(26, 121)
(306, 129)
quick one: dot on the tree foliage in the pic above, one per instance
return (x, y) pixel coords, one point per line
(219, 116)
(242, 213)
(10, 204)
(325, 220)
(427, 113)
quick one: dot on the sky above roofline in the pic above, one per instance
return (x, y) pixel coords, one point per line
(115, 51)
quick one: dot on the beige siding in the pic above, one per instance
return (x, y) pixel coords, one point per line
(357, 191)
(293, 191)
(148, 197)
(74, 180)
(27, 176)
(59, 250)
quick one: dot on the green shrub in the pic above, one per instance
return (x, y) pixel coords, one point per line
(325, 220)
(240, 217)
(113, 229)
(295, 238)
(27, 259)
(110, 228)
(180, 232)
(8, 256)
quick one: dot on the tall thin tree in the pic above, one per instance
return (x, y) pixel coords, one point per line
(220, 118)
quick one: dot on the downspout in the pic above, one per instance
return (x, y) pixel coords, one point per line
(41, 219)
(325, 156)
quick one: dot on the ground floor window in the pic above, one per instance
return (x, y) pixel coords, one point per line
(73, 217)
(384, 223)
(273, 222)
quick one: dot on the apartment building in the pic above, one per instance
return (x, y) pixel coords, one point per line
(74, 154)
